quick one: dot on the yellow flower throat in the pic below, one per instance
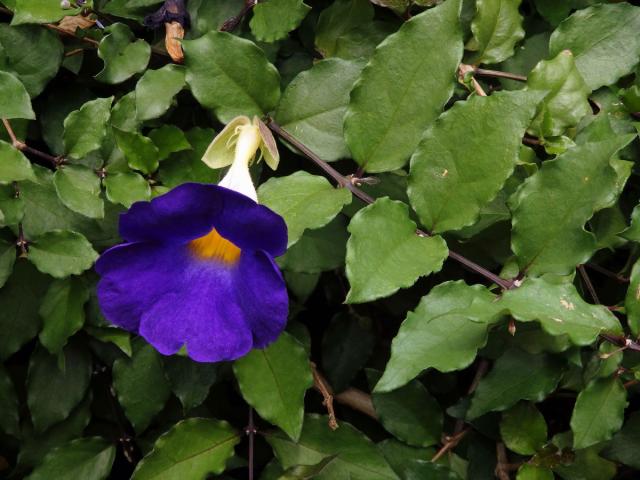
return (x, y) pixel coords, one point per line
(214, 246)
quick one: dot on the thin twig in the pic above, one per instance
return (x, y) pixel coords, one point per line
(607, 273)
(231, 23)
(23, 147)
(587, 283)
(357, 400)
(322, 386)
(251, 433)
(449, 444)
(465, 69)
(502, 469)
(497, 74)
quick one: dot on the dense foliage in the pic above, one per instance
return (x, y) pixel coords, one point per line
(464, 278)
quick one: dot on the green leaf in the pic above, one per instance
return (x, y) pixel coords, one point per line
(632, 300)
(20, 298)
(465, 158)
(624, 445)
(62, 312)
(357, 458)
(82, 459)
(603, 40)
(552, 206)
(318, 250)
(86, 128)
(384, 253)
(222, 71)
(599, 412)
(140, 151)
(61, 253)
(338, 20)
(124, 114)
(7, 260)
(123, 56)
(32, 53)
(193, 448)
(39, 11)
(587, 464)
(53, 393)
(11, 206)
(444, 332)
(155, 91)
(190, 381)
(523, 429)
(409, 413)
(120, 338)
(9, 415)
(560, 310)
(274, 381)
(141, 385)
(497, 27)
(404, 88)
(567, 98)
(14, 165)
(126, 188)
(169, 139)
(78, 188)
(314, 103)
(532, 472)
(274, 19)
(306, 472)
(305, 201)
(14, 99)
(516, 375)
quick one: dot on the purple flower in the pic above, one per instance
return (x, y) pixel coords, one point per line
(197, 270)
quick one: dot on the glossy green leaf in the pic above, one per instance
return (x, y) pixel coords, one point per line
(124, 114)
(187, 165)
(53, 393)
(141, 385)
(62, 312)
(603, 41)
(273, 19)
(357, 457)
(222, 71)
(86, 128)
(140, 151)
(169, 139)
(409, 413)
(560, 310)
(567, 98)
(587, 464)
(552, 206)
(274, 381)
(465, 158)
(598, 412)
(11, 206)
(523, 429)
(305, 201)
(632, 300)
(39, 11)
(61, 253)
(123, 56)
(624, 445)
(32, 53)
(515, 376)
(14, 99)
(404, 88)
(14, 166)
(9, 415)
(193, 448)
(533, 472)
(314, 103)
(379, 264)
(444, 332)
(497, 27)
(126, 188)
(78, 188)
(114, 335)
(82, 459)
(190, 381)
(338, 20)
(156, 89)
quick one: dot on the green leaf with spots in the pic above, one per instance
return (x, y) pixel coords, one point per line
(273, 19)
(603, 41)
(305, 201)
(14, 166)
(61, 253)
(465, 158)
(140, 151)
(404, 88)
(122, 54)
(14, 99)
(598, 412)
(126, 188)
(62, 312)
(516, 375)
(497, 28)
(86, 128)
(384, 253)
(193, 448)
(78, 188)
(156, 89)
(222, 71)
(444, 332)
(274, 381)
(314, 103)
